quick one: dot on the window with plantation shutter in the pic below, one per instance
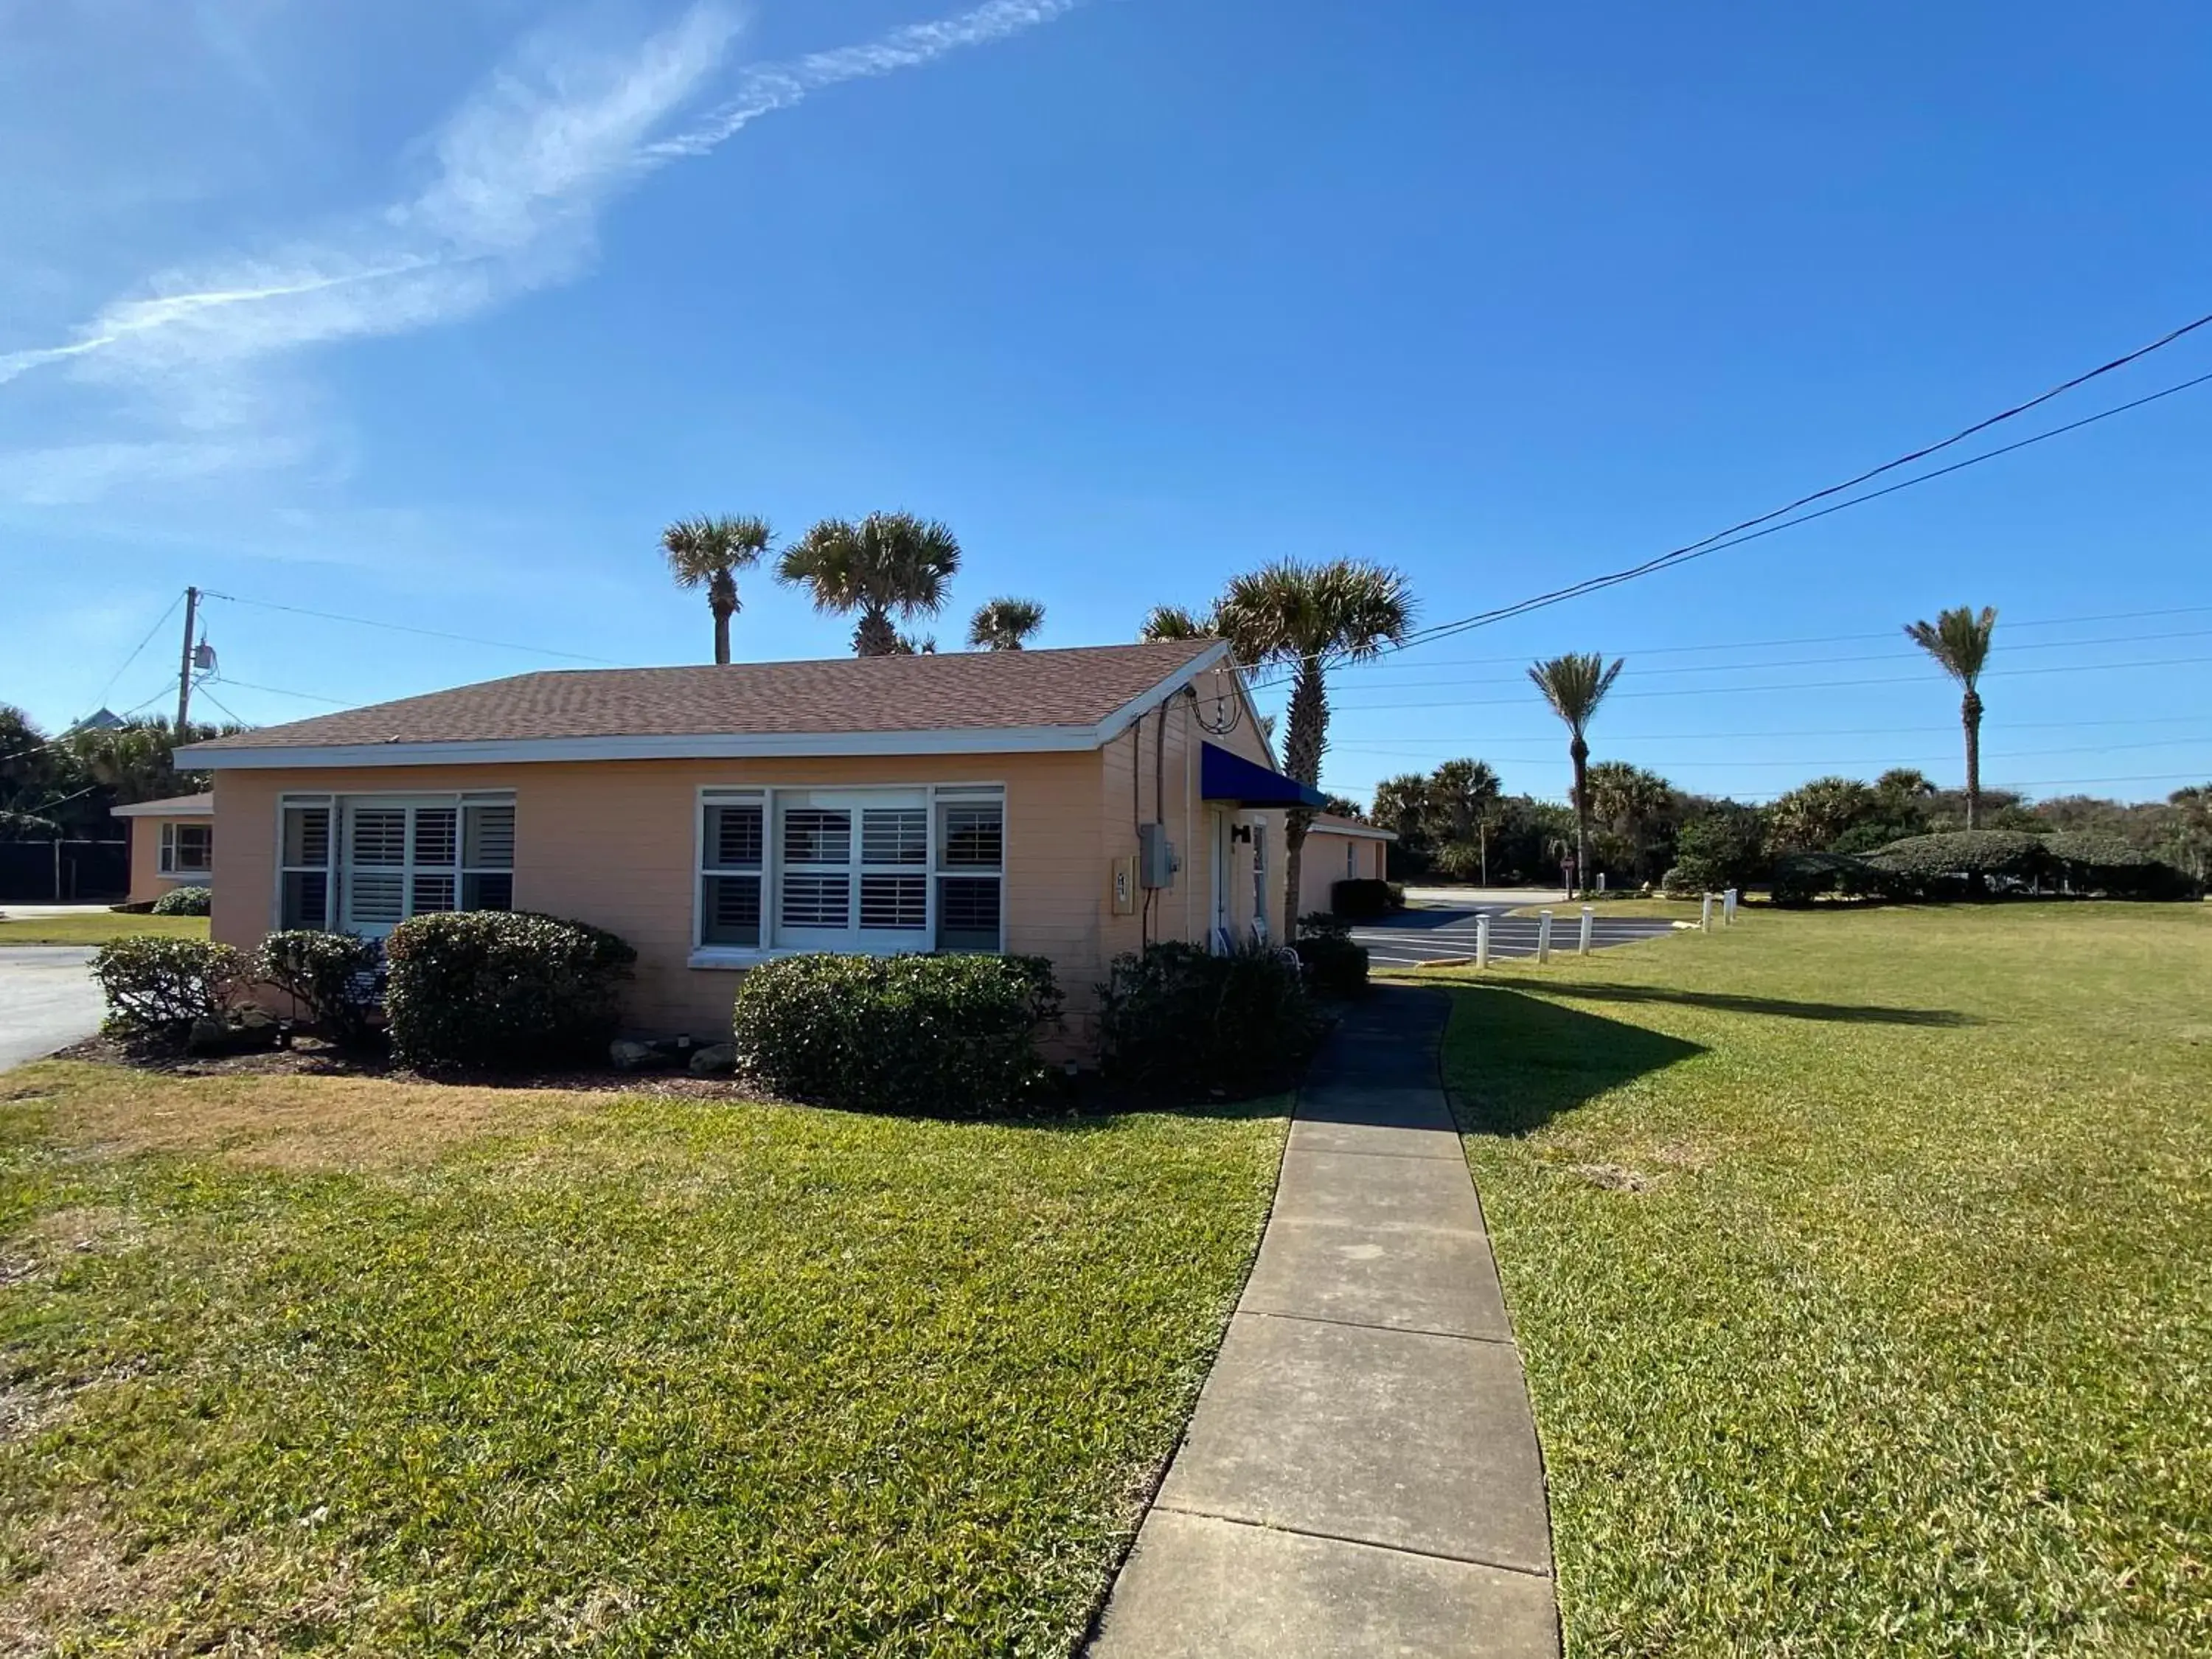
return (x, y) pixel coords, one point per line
(880, 869)
(365, 863)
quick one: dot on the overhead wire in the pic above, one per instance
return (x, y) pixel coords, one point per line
(407, 627)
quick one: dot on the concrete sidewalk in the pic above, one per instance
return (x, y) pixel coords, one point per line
(1362, 1474)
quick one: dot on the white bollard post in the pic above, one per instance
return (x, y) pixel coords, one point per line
(1728, 907)
(1482, 941)
(1543, 936)
(1589, 919)
(1705, 914)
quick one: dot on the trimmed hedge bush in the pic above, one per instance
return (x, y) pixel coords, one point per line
(2089, 863)
(154, 985)
(184, 901)
(502, 990)
(1335, 965)
(1800, 877)
(942, 1035)
(1961, 862)
(1366, 899)
(1182, 1021)
(331, 976)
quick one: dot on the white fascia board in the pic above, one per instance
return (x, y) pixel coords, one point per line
(1363, 832)
(159, 810)
(995, 740)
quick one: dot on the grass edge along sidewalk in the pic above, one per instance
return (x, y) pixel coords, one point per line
(350, 1364)
(1856, 1261)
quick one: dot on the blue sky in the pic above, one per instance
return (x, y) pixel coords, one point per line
(435, 313)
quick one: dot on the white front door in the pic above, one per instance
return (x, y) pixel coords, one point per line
(1218, 933)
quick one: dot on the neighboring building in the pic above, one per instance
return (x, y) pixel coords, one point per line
(1338, 849)
(716, 817)
(171, 844)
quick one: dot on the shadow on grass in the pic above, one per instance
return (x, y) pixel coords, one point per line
(1848, 1014)
(1514, 1062)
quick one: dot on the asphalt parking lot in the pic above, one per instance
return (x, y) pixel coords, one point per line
(47, 1000)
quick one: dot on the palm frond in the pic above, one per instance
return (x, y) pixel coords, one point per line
(1005, 624)
(1289, 611)
(698, 550)
(1575, 684)
(1958, 640)
(1173, 621)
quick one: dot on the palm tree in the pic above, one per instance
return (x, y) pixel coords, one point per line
(1575, 684)
(1300, 616)
(1005, 624)
(707, 553)
(1172, 622)
(888, 563)
(1959, 640)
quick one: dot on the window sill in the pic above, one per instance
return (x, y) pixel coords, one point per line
(188, 877)
(729, 957)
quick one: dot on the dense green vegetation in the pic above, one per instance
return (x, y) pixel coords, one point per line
(1857, 1261)
(314, 1364)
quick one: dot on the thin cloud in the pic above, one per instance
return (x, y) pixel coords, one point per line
(522, 173)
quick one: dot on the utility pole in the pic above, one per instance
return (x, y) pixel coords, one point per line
(184, 663)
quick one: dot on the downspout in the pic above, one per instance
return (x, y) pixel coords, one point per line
(1189, 816)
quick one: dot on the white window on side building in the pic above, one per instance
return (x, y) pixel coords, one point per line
(365, 863)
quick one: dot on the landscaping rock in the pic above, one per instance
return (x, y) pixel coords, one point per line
(628, 1056)
(715, 1059)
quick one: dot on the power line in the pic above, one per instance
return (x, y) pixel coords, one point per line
(1808, 662)
(1639, 652)
(202, 688)
(1731, 537)
(101, 700)
(278, 691)
(1768, 523)
(427, 633)
(1797, 685)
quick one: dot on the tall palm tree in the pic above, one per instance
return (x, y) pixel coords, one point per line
(1575, 684)
(1173, 621)
(888, 563)
(708, 552)
(1959, 640)
(1005, 624)
(1301, 616)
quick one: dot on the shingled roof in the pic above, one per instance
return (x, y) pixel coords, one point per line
(1060, 696)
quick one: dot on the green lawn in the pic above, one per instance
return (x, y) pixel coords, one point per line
(1863, 1266)
(344, 1365)
(97, 929)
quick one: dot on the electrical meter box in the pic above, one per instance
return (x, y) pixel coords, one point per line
(1156, 859)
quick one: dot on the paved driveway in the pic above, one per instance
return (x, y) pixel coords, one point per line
(1412, 936)
(47, 1000)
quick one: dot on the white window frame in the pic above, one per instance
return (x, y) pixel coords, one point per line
(184, 874)
(773, 799)
(336, 868)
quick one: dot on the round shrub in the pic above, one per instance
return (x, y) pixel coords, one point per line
(502, 990)
(157, 985)
(1335, 966)
(1799, 878)
(1182, 1021)
(1365, 900)
(331, 977)
(184, 901)
(940, 1036)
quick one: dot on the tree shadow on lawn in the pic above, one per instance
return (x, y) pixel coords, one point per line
(1526, 1060)
(1848, 1014)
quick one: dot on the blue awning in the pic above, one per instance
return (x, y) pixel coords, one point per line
(1225, 776)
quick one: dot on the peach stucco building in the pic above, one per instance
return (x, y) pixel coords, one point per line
(1064, 804)
(171, 844)
(1339, 849)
